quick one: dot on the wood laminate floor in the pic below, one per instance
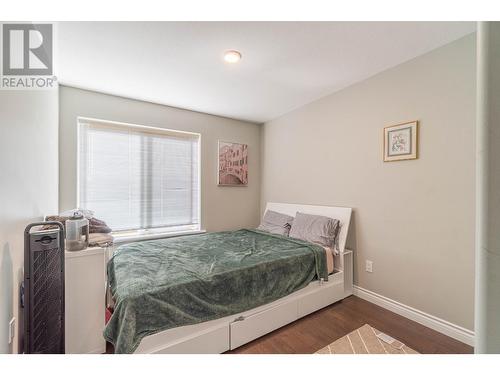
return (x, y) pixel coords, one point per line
(319, 329)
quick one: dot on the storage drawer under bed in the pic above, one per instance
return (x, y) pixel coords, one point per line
(210, 341)
(262, 322)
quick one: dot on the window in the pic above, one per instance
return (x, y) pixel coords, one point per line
(139, 178)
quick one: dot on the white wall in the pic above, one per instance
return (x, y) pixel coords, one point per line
(414, 219)
(28, 186)
(222, 207)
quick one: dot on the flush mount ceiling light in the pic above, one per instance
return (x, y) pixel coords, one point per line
(232, 56)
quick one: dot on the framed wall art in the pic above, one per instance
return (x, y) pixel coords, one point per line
(401, 141)
(233, 164)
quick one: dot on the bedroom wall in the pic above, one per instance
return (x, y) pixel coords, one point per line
(222, 208)
(414, 219)
(28, 187)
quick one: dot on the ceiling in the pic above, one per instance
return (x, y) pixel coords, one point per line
(284, 66)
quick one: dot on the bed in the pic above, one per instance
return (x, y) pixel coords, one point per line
(213, 292)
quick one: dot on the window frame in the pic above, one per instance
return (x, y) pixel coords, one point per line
(142, 233)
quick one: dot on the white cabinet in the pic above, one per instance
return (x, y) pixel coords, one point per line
(85, 291)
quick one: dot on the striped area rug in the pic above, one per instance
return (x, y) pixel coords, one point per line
(366, 340)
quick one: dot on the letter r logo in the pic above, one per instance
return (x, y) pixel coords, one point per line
(27, 49)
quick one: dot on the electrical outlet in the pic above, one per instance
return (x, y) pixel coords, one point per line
(369, 266)
(12, 329)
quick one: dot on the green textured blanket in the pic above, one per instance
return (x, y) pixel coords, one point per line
(179, 281)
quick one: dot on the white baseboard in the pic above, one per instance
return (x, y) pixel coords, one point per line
(449, 329)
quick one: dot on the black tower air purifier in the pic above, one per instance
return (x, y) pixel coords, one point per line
(44, 289)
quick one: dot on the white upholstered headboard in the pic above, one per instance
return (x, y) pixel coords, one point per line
(343, 214)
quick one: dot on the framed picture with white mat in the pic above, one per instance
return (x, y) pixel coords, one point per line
(401, 141)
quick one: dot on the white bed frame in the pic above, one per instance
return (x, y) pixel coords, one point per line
(218, 336)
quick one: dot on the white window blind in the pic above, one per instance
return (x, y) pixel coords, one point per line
(139, 178)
